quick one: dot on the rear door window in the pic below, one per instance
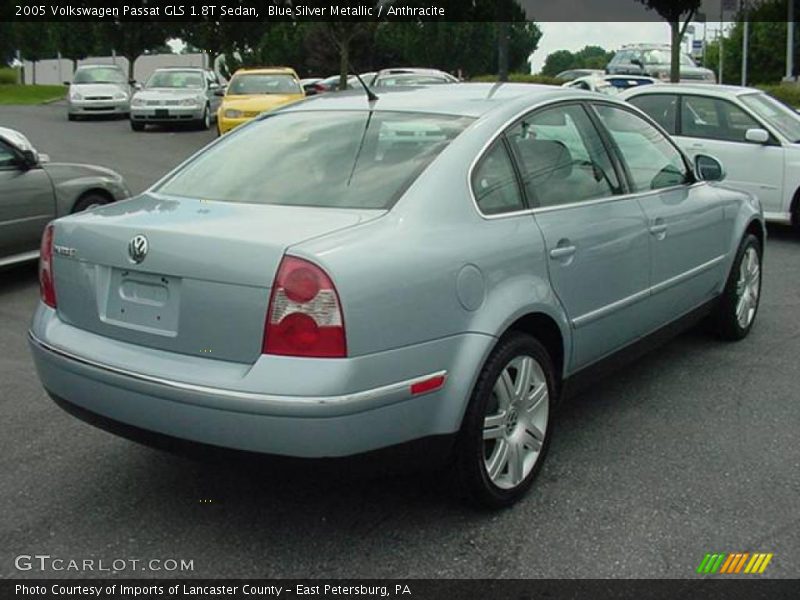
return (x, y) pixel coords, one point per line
(662, 108)
(562, 157)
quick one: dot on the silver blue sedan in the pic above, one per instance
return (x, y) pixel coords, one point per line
(347, 274)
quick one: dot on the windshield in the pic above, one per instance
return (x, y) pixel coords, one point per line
(264, 83)
(99, 75)
(410, 79)
(780, 116)
(337, 159)
(662, 57)
(176, 79)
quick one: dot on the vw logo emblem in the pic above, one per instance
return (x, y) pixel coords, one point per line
(137, 248)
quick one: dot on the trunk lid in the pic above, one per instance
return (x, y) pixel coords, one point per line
(202, 285)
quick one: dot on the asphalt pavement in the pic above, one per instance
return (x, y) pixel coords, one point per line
(692, 449)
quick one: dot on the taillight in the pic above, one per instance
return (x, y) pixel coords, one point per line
(304, 316)
(47, 289)
(320, 87)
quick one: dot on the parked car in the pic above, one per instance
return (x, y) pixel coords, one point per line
(34, 191)
(411, 76)
(756, 136)
(98, 90)
(309, 84)
(572, 74)
(332, 83)
(655, 60)
(609, 84)
(177, 95)
(251, 92)
(344, 290)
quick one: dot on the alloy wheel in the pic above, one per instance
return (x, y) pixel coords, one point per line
(748, 288)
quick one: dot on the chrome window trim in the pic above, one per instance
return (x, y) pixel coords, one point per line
(262, 403)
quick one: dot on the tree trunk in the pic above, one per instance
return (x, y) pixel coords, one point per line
(131, 64)
(675, 62)
(502, 51)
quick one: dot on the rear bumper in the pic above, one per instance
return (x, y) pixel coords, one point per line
(342, 420)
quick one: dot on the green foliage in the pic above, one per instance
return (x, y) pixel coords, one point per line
(8, 76)
(767, 50)
(30, 94)
(520, 78)
(678, 13)
(788, 93)
(591, 57)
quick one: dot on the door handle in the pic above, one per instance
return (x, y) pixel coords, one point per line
(659, 229)
(562, 252)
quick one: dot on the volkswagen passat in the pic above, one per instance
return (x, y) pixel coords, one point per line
(342, 275)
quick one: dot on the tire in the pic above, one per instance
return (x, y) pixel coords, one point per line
(487, 472)
(736, 311)
(88, 200)
(136, 126)
(204, 124)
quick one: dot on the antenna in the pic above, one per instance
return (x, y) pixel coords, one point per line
(372, 96)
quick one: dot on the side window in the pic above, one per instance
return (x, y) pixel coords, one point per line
(662, 108)
(7, 157)
(562, 157)
(714, 119)
(652, 161)
(495, 184)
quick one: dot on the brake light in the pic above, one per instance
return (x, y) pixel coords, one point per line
(47, 289)
(304, 316)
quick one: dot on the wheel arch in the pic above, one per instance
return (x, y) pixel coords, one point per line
(548, 332)
(99, 191)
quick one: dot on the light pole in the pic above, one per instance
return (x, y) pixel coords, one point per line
(745, 40)
(790, 42)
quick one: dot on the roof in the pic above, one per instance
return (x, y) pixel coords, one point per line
(466, 99)
(265, 70)
(708, 89)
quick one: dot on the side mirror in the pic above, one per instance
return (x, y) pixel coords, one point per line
(637, 62)
(219, 92)
(30, 159)
(67, 83)
(708, 168)
(757, 136)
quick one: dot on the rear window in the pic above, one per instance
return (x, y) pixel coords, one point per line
(342, 159)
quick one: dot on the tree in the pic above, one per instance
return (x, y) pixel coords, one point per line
(131, 38)
(34, 41)
(590, 57)
(678, 13)
(558, 61)
(75, 40)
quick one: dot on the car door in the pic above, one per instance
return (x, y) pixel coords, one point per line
(717, 127)
(596, 239)
(27, 204)
(685, 219)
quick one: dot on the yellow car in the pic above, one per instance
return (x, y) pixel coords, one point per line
(253, 91)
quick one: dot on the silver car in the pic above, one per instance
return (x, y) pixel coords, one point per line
(343, 275)
(98, 90)
(34, 191)
(177, 95)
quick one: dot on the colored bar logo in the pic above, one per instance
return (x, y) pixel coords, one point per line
(734, 563)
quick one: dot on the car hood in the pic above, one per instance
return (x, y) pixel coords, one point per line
(168, 93)
(259, 102)
(64, 171)
(98, 89)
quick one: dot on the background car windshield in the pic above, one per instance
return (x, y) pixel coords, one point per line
(777, 114)
(98, 75)
(176, 79)
(662, 57)
(262, 83)
(328, 159)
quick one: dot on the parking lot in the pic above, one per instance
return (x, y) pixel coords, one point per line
(692, 449)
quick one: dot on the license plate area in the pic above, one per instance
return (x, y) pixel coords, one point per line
(143, 301)
(162, 112)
